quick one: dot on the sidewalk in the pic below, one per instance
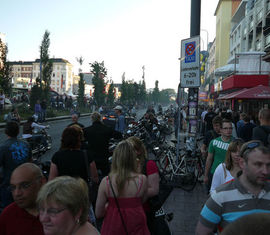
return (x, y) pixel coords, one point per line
(186, 207)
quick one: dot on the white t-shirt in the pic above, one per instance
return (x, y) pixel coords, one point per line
(221, 176)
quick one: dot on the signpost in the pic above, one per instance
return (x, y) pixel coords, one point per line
(190, 77)
(190, 63)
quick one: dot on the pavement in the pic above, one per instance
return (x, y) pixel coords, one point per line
(186, 207)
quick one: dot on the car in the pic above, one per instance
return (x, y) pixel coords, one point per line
(109, 118)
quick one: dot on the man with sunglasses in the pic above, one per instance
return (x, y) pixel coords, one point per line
(217, 151)
(21, 216)
(248, 193)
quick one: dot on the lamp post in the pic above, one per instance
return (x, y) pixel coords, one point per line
(204, 30)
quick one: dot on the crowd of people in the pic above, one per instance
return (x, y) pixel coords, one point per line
(85, 193)
(237, 169)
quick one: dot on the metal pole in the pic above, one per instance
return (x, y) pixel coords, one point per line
(195, 29)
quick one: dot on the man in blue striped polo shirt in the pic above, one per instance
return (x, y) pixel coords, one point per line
(248, 193)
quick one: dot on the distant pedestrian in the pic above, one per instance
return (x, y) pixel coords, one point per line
(43, 110)
(38, 110)
(2, 101)
(245, 131)
(262, 132)
(120, 124)
(209, 118)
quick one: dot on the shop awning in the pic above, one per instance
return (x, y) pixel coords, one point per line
(226, 97)
(255, 93)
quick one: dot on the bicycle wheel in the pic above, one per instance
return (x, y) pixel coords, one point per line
(164, 168)
(189, 174)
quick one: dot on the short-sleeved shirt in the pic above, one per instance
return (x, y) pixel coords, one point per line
(231, 201)
(13, 152)
(17, 221)
(218, 148)
(151, 168)
(71, 163)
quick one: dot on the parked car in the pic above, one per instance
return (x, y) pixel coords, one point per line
(109, 118)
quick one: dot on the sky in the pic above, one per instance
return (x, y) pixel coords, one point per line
(125, 34)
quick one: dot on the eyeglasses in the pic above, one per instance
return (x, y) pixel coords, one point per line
(23, 186)
(52, 212)
(250, 146)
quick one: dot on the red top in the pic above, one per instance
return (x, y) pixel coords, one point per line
(132, 212)
(151, 168)
(17, 221)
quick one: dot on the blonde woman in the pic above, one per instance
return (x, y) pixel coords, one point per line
(63, 207)
(228, 170)
(150, 169)
(123, 213)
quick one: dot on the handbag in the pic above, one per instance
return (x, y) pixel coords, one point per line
(158, 200)
(92, 186)
(117, 204)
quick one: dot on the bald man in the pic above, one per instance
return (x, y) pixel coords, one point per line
(21, 217)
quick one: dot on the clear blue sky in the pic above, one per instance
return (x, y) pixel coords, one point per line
(126, 34)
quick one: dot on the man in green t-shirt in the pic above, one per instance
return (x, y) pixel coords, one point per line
(217, 150)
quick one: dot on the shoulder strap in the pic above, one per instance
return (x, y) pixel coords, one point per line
(87, 168)
(117, 204)
(224, 169)
(140, 184)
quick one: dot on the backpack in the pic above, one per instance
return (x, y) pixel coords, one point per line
(165, 190)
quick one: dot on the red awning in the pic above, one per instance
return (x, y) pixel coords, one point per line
(233, 94)
(255, 93)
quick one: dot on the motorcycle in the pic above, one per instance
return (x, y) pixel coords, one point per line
(39, 147)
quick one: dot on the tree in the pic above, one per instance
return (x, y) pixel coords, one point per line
(46, 65)
(5, 69)
(110, 96)
(156, 93)
(81, 83)
(99, 72)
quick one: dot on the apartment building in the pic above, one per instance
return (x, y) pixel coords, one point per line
(250, 27)
(21, 72)
(62, 76)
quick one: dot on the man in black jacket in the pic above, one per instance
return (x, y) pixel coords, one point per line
(98, 136)
(262, 132)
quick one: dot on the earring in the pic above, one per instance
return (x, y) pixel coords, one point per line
(77, 221)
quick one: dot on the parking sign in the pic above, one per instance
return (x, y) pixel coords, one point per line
(190, 63)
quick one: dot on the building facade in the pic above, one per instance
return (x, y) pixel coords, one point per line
(249, 27)
(223, 15)
(62, 76)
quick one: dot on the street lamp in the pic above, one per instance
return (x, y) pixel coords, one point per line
(204, 30)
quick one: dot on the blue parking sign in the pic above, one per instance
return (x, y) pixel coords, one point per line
(190, 53)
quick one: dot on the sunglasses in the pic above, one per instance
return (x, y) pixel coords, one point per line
(250, 146)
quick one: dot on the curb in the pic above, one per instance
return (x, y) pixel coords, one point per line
(2, 124)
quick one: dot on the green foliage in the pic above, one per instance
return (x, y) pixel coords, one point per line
(111, 95)
(5, 70)
(81, 91)
(35, 95)
(156, 94)
(132, 92)
(99, 72)
(46, 64)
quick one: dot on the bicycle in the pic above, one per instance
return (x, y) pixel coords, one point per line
(184, 173)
